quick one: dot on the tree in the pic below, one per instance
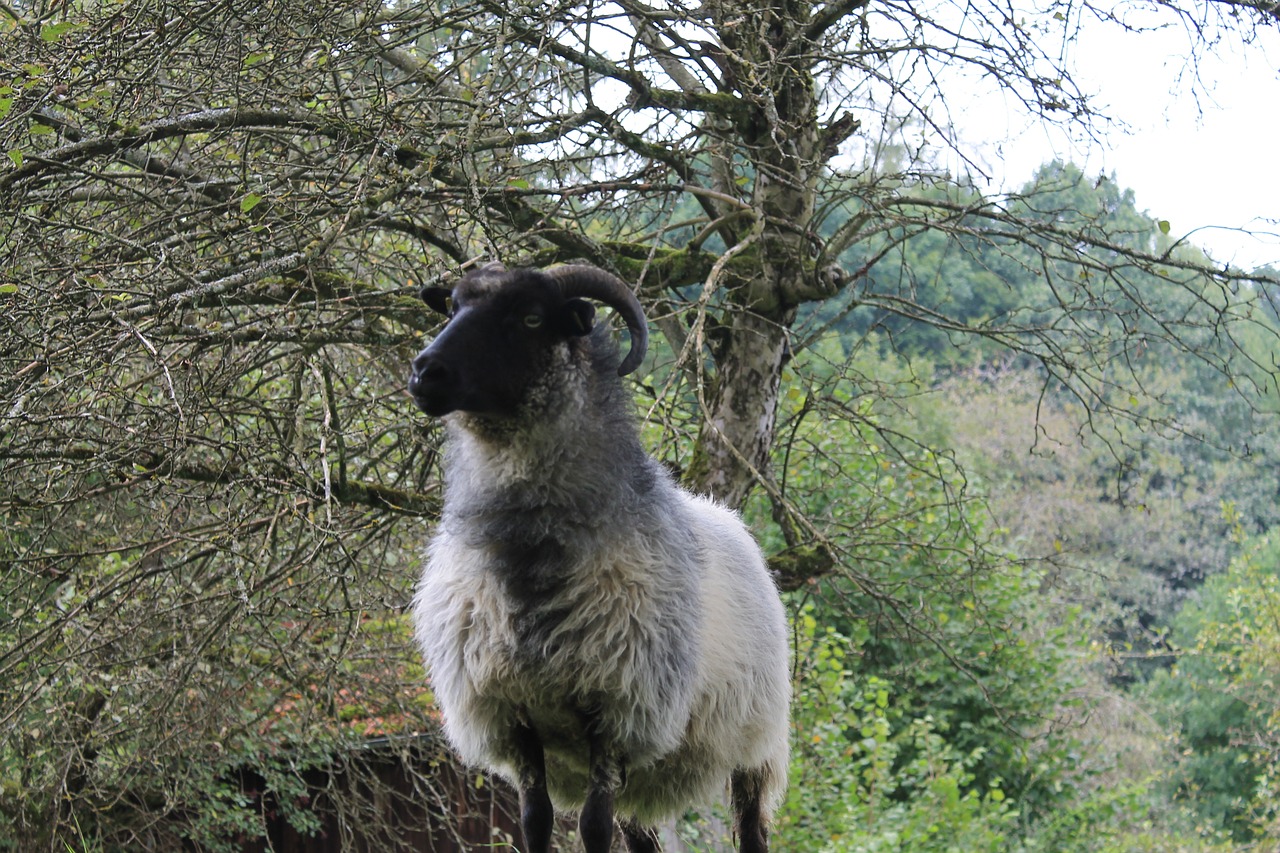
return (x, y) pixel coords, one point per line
(217, 216)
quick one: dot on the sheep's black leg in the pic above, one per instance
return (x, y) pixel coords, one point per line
(746, 788)
(537, 817)
(640, 839)
(595, 824)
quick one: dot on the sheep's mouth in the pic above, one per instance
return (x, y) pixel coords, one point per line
(435, 405)
(430, 397)
(438, 399)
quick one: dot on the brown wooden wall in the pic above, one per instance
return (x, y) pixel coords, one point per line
(388, 799)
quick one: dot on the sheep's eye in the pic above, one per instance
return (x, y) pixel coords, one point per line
(532, 321)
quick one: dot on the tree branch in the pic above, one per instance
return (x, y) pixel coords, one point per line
(197, 122)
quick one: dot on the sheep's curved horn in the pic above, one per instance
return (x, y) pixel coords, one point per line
(594, 283)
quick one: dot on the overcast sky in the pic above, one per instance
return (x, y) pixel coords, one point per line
(1197, 154)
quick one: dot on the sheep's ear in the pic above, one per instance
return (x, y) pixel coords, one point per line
(577, 316)
(438, 299)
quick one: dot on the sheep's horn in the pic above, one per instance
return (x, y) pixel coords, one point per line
(594, 283)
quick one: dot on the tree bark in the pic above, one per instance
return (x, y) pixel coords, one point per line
(737, 431)
(764, 49)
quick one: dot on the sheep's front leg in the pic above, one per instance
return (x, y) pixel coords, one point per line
(595, 823)
(537, 817)
(745, 791)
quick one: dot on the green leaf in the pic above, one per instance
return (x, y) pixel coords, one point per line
(249, 202)
(15, 156)
(8, 289)
(1163, 225)
(41, 130)
(52, 32)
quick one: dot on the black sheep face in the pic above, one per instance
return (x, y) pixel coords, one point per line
(499, 345)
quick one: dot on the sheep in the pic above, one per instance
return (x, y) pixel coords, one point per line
(600, 637)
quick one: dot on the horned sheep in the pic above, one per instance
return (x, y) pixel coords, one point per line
(597, 635)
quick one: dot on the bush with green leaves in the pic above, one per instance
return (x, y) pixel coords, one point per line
(1223, 697)
(868, 774)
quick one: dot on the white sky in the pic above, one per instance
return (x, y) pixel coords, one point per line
(1205, 156)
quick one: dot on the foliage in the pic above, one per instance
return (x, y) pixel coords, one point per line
(933, 682)
(931, 602)
(1124, 545)
(868, 775)
(1116, 492)
(1222, 696)
(145, 720)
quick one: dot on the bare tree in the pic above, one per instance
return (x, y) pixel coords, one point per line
(216, 218)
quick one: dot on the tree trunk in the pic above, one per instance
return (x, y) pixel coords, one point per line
(780, 136)
(737, 432)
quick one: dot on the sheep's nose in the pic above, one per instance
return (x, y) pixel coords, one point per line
(430, 377)
(428, 368)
